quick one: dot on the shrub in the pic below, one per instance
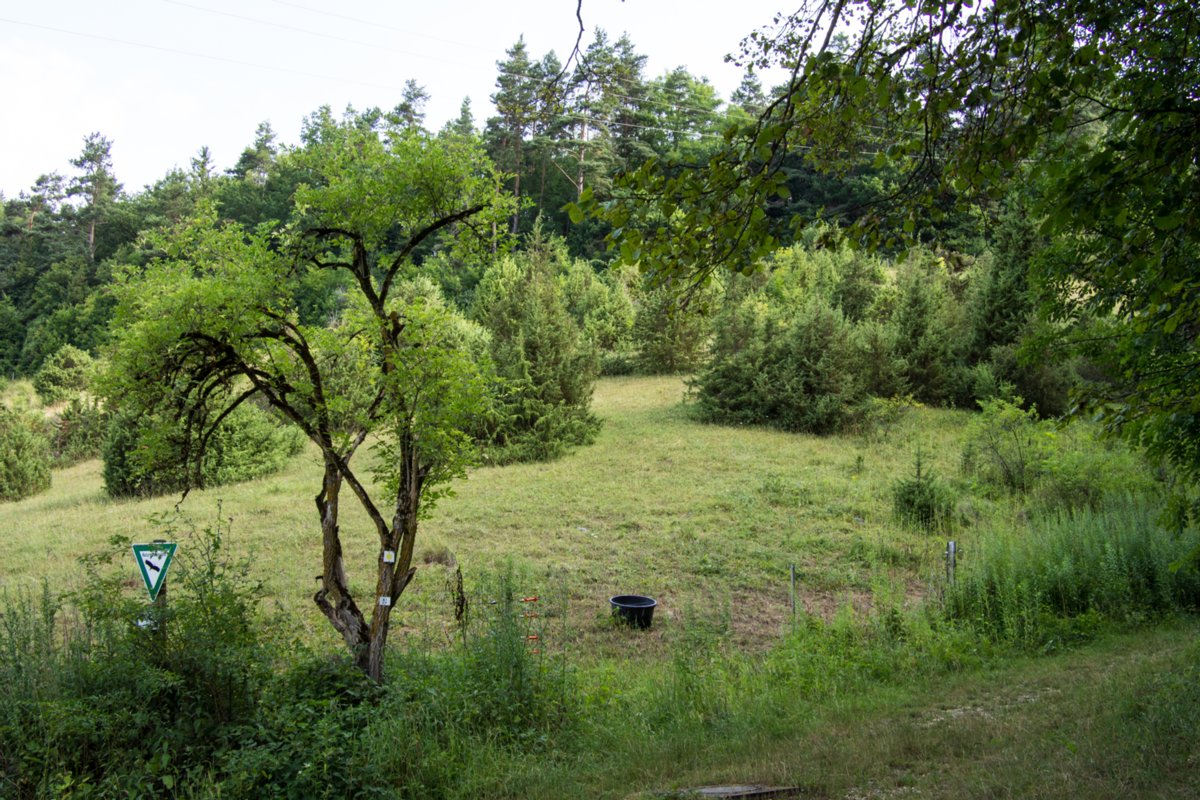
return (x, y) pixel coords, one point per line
(930, 333)
(1082, 470)
(78, 432)
(545, 369)
(670, 338)
(24, 457)
(922, 500)
(144, 456)
(794, 371)
(1008, 448)
(1004, 447)
(883, 371)
(63, 375)
(600, 306)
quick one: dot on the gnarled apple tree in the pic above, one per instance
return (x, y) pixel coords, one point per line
(213, 323)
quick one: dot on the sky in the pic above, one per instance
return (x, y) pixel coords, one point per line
(162, 78)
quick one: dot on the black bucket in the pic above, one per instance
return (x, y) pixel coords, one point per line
(633, 609)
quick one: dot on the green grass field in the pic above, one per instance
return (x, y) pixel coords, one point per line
(724, 688)
(706, 519)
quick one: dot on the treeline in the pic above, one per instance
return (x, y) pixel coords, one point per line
(555, 133)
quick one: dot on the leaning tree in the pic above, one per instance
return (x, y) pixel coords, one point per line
(214, 322)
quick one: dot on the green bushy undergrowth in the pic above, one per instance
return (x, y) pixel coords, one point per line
(941, 327)
(77, 433)
(120, 699)
(24, 456)
(1008, 449)
(1072, 569)
(922, 500)
(790, 369)
(249, 444)
(63, 375)
(670, 338)
(545, 368)
(125, 699)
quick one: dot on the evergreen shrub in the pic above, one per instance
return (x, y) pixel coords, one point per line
(794, 369)
(78, 432)
(922, 500)
(545, 368)
(669, 338)
(24, 457)
(64, 374)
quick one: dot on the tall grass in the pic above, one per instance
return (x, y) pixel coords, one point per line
(1071, 569)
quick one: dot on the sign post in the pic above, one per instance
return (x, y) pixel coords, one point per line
(153, 561)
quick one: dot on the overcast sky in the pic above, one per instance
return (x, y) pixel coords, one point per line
(161, 78)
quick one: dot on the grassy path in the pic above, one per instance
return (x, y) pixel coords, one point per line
(1119, 718)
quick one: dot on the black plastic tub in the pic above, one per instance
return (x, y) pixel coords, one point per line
(633, 609)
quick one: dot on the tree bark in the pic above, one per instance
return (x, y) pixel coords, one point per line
(394, 577)
(333, 598)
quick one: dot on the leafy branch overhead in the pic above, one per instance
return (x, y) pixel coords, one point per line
(1089, 109)
(950, 101)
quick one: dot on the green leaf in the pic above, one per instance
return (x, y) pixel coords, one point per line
(1169, 222)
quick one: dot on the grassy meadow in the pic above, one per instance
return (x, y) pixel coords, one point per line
(1067, 668)
(707, 519)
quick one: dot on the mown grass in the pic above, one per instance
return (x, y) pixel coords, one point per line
(698, 516)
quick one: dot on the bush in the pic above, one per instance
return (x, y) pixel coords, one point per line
(24, 457)
(600, 306)
(930, 333)
(882, 370)
(143, 455)
(78, 432)
(669, 338)
(922, 501)
(1008, 448)
(545, 369)
(1081, 470)
(1004, 446)
(63, 375)
(794, 371)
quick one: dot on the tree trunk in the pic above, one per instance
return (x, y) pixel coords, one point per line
(395, 576)
(334, 598)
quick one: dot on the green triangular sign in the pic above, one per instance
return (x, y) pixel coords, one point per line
(153, 560)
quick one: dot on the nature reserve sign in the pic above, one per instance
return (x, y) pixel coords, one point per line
(153, 561)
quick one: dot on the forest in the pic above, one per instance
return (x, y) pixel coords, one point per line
(937, 292)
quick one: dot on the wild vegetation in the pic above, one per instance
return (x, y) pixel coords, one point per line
(882, 294)
(703, 517)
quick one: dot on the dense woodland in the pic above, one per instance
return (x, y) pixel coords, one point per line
(555, 133)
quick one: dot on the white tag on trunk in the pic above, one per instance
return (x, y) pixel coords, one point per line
(389, 556)
(385, 601)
